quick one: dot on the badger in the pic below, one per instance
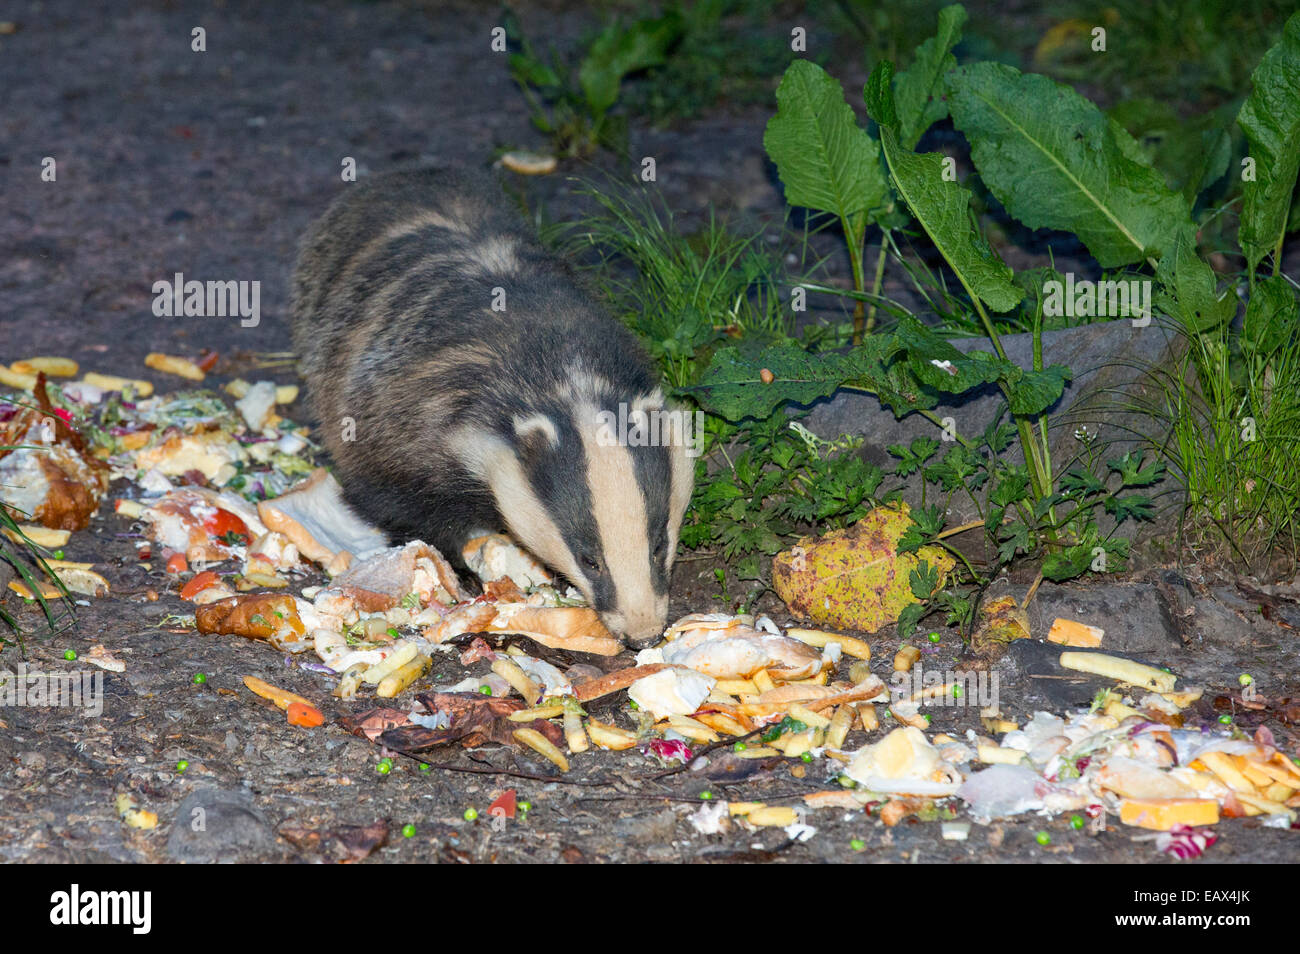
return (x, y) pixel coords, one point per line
(466, 383)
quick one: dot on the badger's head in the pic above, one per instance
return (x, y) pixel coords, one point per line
(598, 493)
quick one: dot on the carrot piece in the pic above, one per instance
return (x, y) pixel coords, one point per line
(304, 715)
(176, 562)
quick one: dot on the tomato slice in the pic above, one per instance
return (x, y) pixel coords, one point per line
(223, 522)
(197, 585)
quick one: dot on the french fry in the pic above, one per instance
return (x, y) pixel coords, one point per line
(997, 755)
(906, 658)
(41, 536)
(808, 717)
(736, 687)
(763, 681)
(53, 367)
(1222, 766)
(1278, 792)
(693, 730)
(394, 661)
(607, 736)
(795, 744)
(1265, 806)
(541, 712)
(48, 591)
(816, 637)
(111, 382)
(756, 752)
(773, 816)
(171, 364)
(543, 747)
(286, 393)
(131, 509)
(281, 697)
(16, 379)
(721, 722)
(1121, 670)
(519, 680)
(574, 735)
(867, 717)
(743, 808)
(841, 722)
(400, 680)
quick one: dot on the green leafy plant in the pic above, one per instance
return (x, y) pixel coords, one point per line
(571, 103)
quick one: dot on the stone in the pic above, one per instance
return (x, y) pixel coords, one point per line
(218, 825)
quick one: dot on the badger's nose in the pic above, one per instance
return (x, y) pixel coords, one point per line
(635, 631)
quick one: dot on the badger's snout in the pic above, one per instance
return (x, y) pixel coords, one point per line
(639, 627)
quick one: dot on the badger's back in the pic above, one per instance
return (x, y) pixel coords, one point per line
(404, 353)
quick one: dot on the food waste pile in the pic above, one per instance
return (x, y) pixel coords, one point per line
(224, 491)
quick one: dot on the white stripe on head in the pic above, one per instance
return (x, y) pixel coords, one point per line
(618, 507)
(494, 462)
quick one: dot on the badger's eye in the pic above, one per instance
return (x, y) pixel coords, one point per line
(590, 564)
(660, 547)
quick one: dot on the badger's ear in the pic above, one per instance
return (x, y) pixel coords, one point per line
(535, 434)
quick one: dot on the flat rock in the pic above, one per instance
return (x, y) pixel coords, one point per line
(1108, 361)
(215, 825)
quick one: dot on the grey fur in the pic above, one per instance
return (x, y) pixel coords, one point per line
(394, 327)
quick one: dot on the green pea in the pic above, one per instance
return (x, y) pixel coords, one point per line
(706, 795)
(1077, 822)
(807, 756)
(384, 766)
(935, 637)
(199, 679)
(471, 814)
(58, 554)
(1245, 679)
(524, 806)
(958, 692)
(408, 831)
(1043, 838)
(393, 633)
(70, 655)
(1225, 719)
(182, 765)
(857, 844)
(740, 747)
(485, 690)
(425, 767)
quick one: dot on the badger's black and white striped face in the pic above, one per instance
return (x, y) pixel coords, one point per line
(602, 509)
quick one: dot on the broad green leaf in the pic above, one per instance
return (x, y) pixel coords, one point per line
(937, 364)
(942, 206)
(1272, 315)
(1068, 563)
(733, 386)
(826, 161)
(1036, 391)
(1270, 118)
(1056, 161)
(1192, 154)
(622, 49)
(1188, 289)
(919, 90)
